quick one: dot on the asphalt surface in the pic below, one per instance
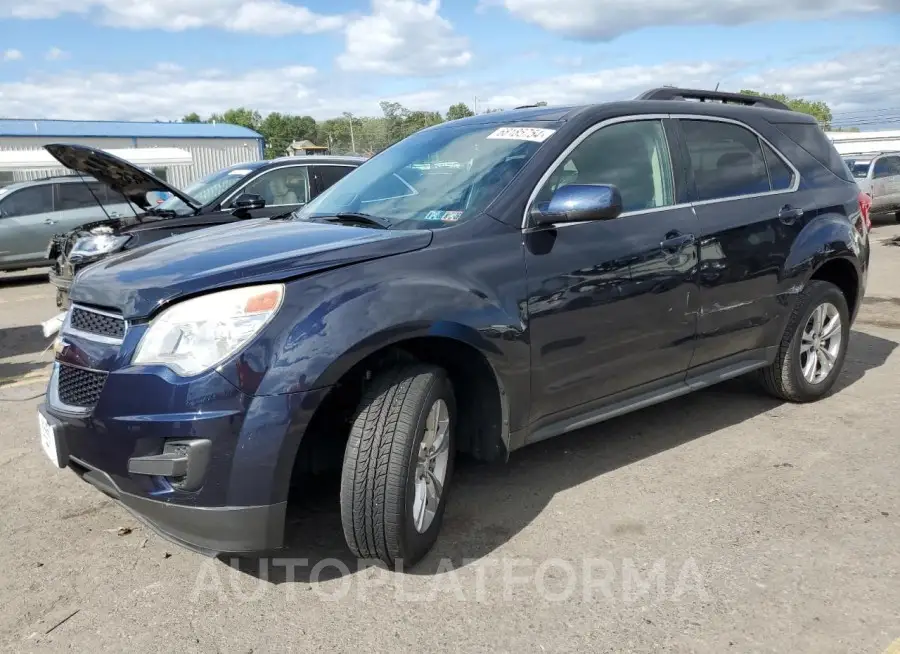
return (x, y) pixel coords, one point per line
(720, 522)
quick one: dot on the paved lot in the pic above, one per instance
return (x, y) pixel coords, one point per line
(722, 522)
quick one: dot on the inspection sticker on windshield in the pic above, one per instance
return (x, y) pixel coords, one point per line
(240, 171)
(536, 134)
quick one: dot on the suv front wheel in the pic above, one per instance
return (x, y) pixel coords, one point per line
(398, 464)
(814, 345)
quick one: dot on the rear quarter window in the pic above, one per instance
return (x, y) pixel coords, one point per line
(811, 138)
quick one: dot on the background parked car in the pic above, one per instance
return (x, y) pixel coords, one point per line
(258, 189)
(878, 175)
(32, 212)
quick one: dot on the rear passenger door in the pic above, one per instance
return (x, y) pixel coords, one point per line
(892, 179)
(742, 195)
(27, 222)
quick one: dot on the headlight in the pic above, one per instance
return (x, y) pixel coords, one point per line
(198, 334)
(96, 244)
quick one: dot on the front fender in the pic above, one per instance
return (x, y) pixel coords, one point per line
(332, 321)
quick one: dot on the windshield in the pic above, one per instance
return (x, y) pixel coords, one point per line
(859, 169)
(208, 188)
(435, 178)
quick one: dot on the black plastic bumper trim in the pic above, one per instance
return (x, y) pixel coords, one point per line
(207, 530)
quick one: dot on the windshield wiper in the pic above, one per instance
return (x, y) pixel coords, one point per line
(354, 217)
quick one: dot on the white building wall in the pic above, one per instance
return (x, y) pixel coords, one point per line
(847, 143)
(209, 155)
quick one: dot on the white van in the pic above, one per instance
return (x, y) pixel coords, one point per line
(878, 175)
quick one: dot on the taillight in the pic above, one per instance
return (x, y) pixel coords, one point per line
(865, 203)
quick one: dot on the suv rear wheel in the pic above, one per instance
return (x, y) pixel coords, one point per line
(812, 350)
(398, 464)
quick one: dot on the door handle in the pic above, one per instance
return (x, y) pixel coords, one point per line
(675, 241)
(49, 221)
(789, 214)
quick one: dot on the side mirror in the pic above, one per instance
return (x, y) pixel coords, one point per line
(248, 202)
(577, 202)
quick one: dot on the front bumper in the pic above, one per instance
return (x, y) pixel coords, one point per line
(239, 504)
(207, 530)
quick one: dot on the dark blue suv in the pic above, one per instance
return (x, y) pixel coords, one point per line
(481, 285)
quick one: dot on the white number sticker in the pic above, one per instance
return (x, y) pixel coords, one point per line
(536, 134)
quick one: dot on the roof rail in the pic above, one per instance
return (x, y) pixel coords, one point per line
(672, 93)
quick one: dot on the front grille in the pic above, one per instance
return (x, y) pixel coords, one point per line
(91, 322)
(79, 387)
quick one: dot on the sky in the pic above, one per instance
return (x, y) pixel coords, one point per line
(162, 59)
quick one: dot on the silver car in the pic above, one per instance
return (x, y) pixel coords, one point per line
(32, 212)
(878, 175)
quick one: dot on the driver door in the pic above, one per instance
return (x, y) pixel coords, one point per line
(610, 301)
(284, 189)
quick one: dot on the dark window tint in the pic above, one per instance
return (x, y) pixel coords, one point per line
(79, 196)
(780, 176)
(811, 138)
(328, 175)
(726, 159)
(28, 201)
(887, 167)
(632, 156)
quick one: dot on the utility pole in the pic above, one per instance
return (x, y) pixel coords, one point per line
(475, 108)
(349, 117)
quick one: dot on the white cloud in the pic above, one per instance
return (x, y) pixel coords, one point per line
(255, 16)
(11, 55)
(607, 19)
(854, 81)
(55, 54)
(164, 92)
(403, 37)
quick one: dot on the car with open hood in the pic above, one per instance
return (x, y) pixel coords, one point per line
(258, 189)
(570, 265)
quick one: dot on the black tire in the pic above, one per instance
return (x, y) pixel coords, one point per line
(378, 477)
(784, 378)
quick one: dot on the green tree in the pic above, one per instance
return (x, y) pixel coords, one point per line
(280, 130)
(248, 118)
(815, 108)
(459, 110)
(192, 117)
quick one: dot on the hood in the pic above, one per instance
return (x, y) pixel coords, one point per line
(139, 281)
(125, 178)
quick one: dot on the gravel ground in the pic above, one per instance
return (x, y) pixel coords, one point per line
(724, 521)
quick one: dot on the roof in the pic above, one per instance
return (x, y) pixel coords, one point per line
(319, 158)
(104, 128)
(143, 157)
(50, 179)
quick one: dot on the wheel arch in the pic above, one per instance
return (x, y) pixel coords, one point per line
(482, 395)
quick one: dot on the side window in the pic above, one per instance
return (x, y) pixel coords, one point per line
(282, 186)
(74, 195)
(104, 193)
(780, 176)
(881, 168)
(633, 156)
(811, 138)
(28, 201)
(330, 175)
(887, 167)
(726, 159)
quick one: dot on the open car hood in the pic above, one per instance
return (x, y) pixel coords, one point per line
(121, 176)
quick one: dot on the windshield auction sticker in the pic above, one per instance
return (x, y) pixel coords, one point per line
(536, 134)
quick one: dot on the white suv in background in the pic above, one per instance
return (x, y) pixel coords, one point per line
(878, 175)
